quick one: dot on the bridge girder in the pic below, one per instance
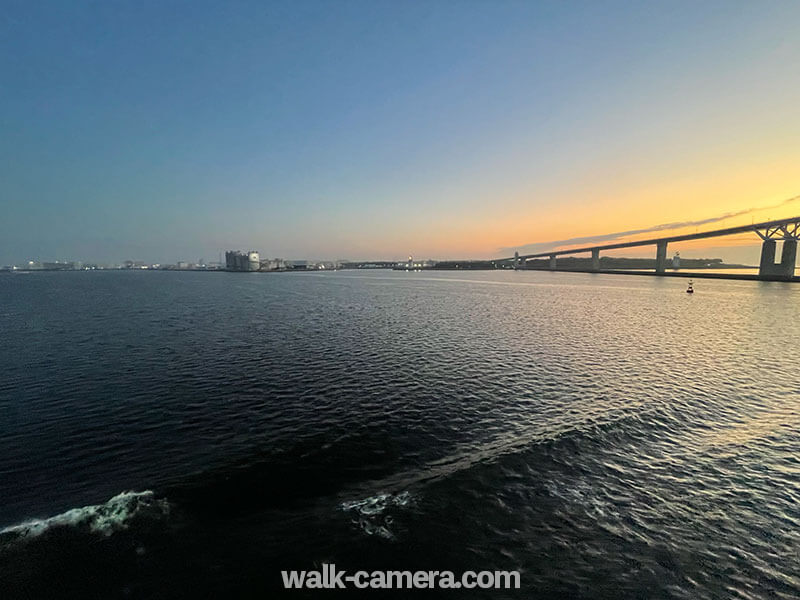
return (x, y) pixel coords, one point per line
(784, 231)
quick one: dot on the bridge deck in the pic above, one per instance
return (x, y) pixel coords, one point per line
(754, 227)
(686, 274)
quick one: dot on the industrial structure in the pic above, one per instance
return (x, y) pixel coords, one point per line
(771, 267)
(236, 260)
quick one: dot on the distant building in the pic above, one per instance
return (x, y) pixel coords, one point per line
(413, 265)
(134, 264)
(236, 260)
(676, 261)
(275, 264)
(324, 265)
(35, 265)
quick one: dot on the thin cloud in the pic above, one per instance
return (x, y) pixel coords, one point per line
(537, 247)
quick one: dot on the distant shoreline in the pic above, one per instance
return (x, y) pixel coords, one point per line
(697, 274)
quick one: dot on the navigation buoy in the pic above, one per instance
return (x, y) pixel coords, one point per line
(690, 289)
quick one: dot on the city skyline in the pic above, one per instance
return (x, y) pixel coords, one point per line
(363, 131)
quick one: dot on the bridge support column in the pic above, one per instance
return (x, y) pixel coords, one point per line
(767, 258)
(596, 259)
(661, 257)
(789, 257)
(769, 269)
(552, 262)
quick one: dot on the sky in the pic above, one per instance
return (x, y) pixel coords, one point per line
(166, 131)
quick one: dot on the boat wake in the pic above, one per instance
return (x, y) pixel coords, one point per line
(102, 519)
(373, 515)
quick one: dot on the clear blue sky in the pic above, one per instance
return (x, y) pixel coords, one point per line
(167, 130)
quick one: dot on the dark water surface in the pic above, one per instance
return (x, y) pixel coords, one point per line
(190, 434)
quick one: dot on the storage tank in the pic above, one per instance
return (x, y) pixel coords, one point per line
(253, 261)
(230, 260)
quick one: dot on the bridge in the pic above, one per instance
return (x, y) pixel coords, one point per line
(786, 231)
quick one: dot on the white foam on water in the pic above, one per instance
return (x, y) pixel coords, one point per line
(369, 512)
(375, 505)
(103, 519)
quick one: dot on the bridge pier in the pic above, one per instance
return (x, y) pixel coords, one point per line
(552, 262)
(661, 256)
(769, 269)
(595, 259)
